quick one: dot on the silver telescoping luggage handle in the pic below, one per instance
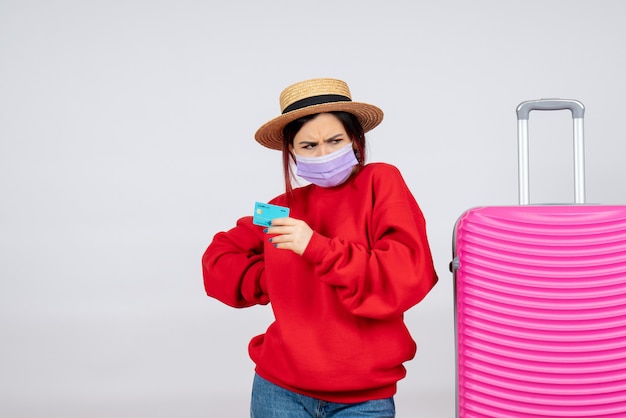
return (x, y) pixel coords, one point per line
(578, 113)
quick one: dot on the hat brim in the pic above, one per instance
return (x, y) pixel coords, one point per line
(270, 135)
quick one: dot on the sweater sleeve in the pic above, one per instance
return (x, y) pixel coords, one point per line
(233, 266)
(390, 275)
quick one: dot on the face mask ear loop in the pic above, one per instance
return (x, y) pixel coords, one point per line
(357, 154)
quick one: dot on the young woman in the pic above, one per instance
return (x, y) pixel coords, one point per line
(339, 271)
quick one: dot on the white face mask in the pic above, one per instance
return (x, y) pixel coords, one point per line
(328, 170)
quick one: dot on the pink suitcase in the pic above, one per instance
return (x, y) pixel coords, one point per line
(540, 301)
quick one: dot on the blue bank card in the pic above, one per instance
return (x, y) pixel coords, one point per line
(265, 212)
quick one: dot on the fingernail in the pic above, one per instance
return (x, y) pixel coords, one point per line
(265, 230)
(270, 240)
(275, 245)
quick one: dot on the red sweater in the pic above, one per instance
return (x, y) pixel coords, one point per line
(338, 333)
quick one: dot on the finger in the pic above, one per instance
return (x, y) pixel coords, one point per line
(282, 221)
(276, 230)
(281, 238)
(280, 243)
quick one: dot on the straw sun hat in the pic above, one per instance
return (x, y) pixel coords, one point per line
(308, 97)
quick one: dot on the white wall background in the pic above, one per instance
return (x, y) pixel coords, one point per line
(126, 143)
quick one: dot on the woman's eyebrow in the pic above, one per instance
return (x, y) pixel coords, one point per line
(305, 144)
(332, 138)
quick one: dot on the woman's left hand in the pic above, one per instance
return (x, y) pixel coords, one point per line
(290, 234)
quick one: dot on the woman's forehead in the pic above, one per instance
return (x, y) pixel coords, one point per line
(324, 126)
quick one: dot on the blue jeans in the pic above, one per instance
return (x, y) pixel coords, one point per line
(272, 401)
